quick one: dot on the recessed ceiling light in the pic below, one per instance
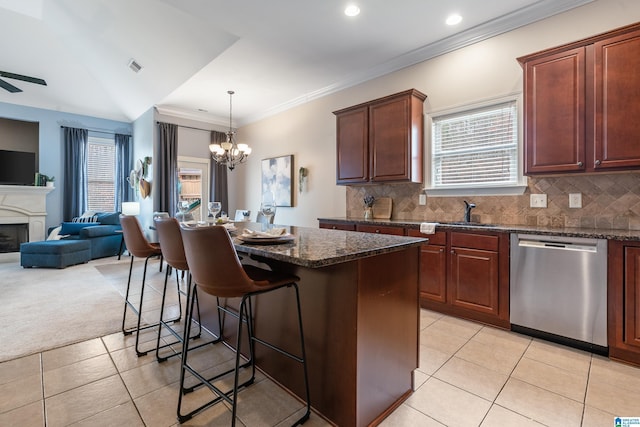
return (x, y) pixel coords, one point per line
(352, 10)
(454, 19)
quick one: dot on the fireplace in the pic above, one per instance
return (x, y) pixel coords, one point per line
(11, 235)
(20, 207)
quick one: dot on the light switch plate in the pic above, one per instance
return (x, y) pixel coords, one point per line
(538, 201)
(575, 200)
(422, 199)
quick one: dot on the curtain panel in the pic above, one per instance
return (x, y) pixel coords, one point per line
(123, 191)
(75, 198)
(218, 190)
(168, 172)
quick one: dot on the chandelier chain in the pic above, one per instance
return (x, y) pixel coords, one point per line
(230, 153)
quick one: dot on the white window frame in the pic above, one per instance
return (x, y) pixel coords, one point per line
(102, 141)
(476, 189)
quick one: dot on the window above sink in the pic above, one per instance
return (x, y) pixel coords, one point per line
(476, 149)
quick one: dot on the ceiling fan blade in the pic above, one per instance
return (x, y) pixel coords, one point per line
(9, 87)
(28, 79)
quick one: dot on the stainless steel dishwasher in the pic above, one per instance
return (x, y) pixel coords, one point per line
(559, 289)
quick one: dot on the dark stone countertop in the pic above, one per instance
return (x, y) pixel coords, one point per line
(597, 233)
(316, 247)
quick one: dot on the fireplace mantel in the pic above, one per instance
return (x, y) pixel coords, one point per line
(24, 204)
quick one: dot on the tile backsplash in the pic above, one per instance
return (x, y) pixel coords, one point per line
(609, 201)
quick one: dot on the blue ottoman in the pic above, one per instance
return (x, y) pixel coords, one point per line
(54, 253)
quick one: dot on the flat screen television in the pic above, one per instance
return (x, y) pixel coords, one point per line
(17, 167)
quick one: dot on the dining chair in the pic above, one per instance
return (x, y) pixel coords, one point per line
(217, 271)
(138, 247)
(168, 230)
(242, 215)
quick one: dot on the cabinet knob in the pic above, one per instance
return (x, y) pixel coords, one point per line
(453, 252)
(441, 250)
(580, 164)
(334, 227)
(377, 231)
(598, 162)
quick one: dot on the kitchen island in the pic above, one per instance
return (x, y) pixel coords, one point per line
(360, 307)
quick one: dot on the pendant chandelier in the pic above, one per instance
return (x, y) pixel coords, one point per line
(230, 153)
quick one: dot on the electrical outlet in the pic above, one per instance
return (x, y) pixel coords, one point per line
(538, 201)
(422, 199)
(575, 200)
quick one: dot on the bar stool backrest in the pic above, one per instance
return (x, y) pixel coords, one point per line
(136, 243)
(213, 262)
(171, 242)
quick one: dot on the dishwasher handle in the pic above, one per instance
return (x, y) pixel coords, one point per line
(565, 246)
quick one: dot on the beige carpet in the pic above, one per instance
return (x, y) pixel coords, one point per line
(42, 308)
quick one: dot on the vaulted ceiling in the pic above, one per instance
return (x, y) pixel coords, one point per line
(274, 54)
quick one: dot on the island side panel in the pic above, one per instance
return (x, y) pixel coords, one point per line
(328, 299)
(388, 332)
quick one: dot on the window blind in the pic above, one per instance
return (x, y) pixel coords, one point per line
(476, 147)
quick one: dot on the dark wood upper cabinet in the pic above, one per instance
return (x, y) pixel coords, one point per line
(554, 119)
(617, 102)
(381, 140)
(581, 105)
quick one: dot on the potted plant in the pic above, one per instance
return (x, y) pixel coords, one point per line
(46, 180)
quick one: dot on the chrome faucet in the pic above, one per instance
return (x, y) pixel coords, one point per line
(467, 210)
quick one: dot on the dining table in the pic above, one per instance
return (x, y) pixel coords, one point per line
(359, 294)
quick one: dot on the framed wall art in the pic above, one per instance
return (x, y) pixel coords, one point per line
(276, 177)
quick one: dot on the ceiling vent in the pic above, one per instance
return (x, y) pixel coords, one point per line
(135, 67)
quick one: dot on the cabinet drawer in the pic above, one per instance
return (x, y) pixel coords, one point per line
(338, 226)
(475, 241)
(380, 229)
(439, 238)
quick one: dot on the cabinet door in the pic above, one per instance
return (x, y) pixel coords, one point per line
(389, 139)
(555, 113)
(631, 320)
(617, 128)
(473, 282)
(352, 146)
(433, 273)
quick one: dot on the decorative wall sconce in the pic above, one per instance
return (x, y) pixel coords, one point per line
(137, 177)
(303, 173)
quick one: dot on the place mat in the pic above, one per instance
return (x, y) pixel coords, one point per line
(266, 240)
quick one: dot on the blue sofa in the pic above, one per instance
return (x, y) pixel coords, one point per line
(105, 235)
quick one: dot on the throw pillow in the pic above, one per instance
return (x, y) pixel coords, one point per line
(93, 218)
(108, 218)
(55, 234)
(75, 227)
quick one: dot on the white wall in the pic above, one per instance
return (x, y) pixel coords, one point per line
(485, 70)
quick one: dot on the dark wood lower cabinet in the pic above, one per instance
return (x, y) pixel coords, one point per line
(466, 274)
(624, 301)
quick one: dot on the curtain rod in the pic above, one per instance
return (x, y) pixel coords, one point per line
(110, 132)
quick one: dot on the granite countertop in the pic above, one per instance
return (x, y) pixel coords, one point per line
(597, 233)
(316, 247)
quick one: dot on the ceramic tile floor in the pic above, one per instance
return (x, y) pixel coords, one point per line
(469, 375)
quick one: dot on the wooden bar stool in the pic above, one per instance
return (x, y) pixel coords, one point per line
(216, 270)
